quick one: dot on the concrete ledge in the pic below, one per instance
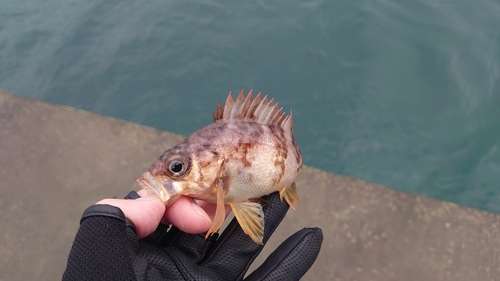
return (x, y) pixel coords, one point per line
(55, 161)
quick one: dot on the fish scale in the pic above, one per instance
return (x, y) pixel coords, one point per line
(248, 152)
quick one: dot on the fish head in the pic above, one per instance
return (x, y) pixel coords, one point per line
(182, 170)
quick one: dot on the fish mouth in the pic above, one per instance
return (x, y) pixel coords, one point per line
(148, 182)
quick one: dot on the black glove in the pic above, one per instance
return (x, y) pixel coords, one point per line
(106, 248)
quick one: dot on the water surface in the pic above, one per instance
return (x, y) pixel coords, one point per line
(405, 94)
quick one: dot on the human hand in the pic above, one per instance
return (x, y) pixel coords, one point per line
(147, 211)
(105, 248)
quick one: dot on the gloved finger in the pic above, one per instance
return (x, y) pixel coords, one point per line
(184, 213)
(292, 259)
(192, 247)
(188, 216)
(158, 235)
(236, 247)
(180, 214)
(210, 208)
(132, 195)
(145, 212)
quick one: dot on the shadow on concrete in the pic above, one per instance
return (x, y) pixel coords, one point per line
(55, 161)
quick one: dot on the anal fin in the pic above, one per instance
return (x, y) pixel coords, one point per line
(220, 212)
(289, 193)
(251, 219)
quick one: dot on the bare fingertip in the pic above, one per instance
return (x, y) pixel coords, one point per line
(186, 215)
(198, 210)
(143, 193)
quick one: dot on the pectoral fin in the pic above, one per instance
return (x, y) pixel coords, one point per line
(290, 195)
(251, 219)
(220, 212)
(261, 201)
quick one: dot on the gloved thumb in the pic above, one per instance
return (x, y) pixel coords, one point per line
(292, 259)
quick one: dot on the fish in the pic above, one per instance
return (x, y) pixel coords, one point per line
(249, 151)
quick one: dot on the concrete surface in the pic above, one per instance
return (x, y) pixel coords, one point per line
(55, 161)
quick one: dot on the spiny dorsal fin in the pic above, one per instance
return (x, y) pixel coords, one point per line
(254, 108)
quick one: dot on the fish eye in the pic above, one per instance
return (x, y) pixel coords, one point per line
(177, 166)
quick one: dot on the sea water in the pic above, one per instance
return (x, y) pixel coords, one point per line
(400, 93)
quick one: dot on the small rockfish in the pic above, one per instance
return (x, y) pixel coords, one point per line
(248, 152)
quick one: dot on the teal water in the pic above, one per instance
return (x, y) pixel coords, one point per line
(401, 93)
